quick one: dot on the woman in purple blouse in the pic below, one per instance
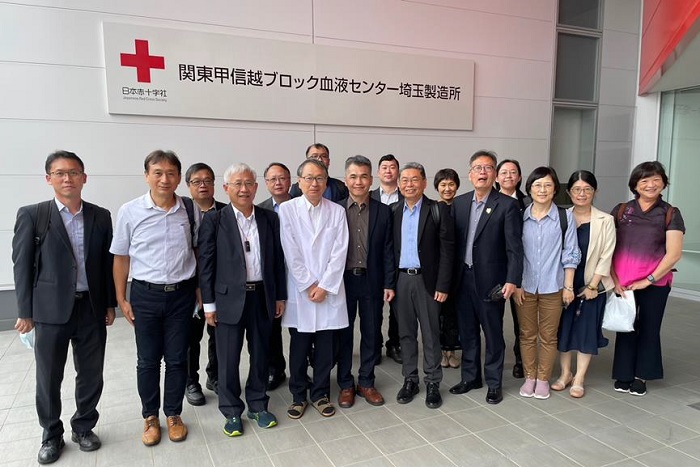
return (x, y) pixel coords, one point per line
(649, 243)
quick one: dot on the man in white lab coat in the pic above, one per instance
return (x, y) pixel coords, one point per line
(315, 244)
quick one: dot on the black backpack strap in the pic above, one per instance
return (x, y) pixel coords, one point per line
(620, 213)
(669, 215)
(564, 223)
(189, 207)
(435, 212)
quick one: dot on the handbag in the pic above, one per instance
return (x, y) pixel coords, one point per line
(620, 312)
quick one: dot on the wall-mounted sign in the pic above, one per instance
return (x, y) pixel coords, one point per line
(168, 72)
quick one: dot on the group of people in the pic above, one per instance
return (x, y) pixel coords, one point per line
(316, 256)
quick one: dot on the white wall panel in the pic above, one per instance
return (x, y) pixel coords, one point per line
(620, 50)
(6, 278)
(622, 15)
(266, 15)
(38, 35)
(611, 191)
(535, 9)
(617, 86)
(613, 158)
(119, 149)
(615, 123)
(425, 26)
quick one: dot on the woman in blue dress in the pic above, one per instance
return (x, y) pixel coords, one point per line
(580, 327)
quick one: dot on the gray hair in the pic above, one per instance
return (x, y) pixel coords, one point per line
(235, 169)
(358, 160)
(413, 165)
(315, 162)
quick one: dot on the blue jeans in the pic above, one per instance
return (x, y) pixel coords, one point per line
(162, 325)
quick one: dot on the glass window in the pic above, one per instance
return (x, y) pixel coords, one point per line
(580, 13)
(577, 68)
(573, 143)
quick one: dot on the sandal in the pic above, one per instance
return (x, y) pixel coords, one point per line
(577, 391)
(296, 410)
(561, 384)
(324, 407)
(453, 360)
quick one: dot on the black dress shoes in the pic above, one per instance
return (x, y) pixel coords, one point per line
(50, 450)
(494, 396)
(275, 379)
(394, 353)
(213, 385)
(518, 370)
(407, 391)
(87, 441)
(194, 395)
(433, 399)
(464, 387)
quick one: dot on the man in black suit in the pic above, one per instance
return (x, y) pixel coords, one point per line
(335, 189)
(278, 180)
(388, 193)
(243, 284)
(489, 254)
(66, 293)
(369, 281)
(200, 180)
(423, 250)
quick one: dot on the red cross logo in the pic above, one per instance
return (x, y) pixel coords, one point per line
(143, 62)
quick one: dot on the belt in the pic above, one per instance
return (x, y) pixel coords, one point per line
(253, 286)
(410, 271)
(81, 295)
(164, 287)
(357, 271)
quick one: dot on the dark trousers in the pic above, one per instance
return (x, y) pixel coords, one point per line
(473, 316)
(393, 333)
(255, 324)
(162, 326)
(638, 353)
(516, 331)
(197, 325)
(88, 335)
(275, 356)
(358, 295)
(416, 306)
(299, 348)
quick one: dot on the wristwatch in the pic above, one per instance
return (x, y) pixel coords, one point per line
(650, 278)
(590, 287)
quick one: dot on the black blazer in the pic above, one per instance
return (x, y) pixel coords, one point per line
(435, 244)
(498, 243)
(381, 271)
(338, 190)
(49, 297)
(222, 274)
(376, 194)
(267, 204)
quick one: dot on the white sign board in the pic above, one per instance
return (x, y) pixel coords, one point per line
(168, 72)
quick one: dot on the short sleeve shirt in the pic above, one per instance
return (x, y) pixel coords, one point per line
(641, 240)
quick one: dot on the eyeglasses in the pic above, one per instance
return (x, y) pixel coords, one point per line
(479, 168)
(274, 180)
(577, 190)
(542, 186)
(63, 173)
(238, 185)
(505, 173)
(319, 157)
(205, 182)
(309, 179)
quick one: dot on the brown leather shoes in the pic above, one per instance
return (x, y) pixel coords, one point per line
(177, 431)
(151, 431)
(371, 395)
(346, 398)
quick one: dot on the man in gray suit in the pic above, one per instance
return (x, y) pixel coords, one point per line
(243, 284)
(63, 281)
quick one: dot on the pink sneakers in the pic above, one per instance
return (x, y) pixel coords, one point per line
(528, 388)
(542, 389)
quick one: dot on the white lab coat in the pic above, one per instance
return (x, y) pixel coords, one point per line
(314, 257)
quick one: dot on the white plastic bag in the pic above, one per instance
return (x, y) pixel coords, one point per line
(620, 312)
(27, 339)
